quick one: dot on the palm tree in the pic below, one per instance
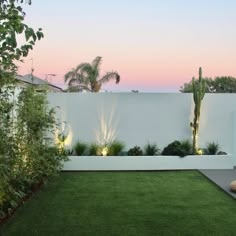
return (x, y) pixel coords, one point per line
(86, 77)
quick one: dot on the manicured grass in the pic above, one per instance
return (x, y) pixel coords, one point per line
(126, 203)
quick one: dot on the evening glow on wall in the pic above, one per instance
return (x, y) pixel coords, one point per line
(155, 45)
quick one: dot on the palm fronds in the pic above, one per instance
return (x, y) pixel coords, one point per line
(85, 76)
(109, 76)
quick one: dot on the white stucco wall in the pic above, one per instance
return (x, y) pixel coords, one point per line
(154, 117)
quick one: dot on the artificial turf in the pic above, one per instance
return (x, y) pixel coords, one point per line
(126, 203)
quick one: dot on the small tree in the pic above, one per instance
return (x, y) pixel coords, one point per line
(11, 25)
(199, 89)
(86, 77)
(35, 124)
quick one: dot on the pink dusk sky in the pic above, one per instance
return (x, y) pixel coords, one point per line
(155, 45)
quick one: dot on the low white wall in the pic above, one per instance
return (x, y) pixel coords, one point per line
(98, 163)
(142, 117)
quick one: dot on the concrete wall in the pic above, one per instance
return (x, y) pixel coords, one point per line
(142, 117)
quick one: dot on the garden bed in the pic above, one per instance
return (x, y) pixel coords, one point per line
(12, 211)
(116, 163)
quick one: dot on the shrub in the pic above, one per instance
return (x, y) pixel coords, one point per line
(178, 148)
(212, 148)
(115, 148)
(135, 151)
(68, 152)
(151, 149)
(94, 149)
(112, 149)
(28, 154)
(80, 148)
(172, 149)
(221, 153)
(186, 148)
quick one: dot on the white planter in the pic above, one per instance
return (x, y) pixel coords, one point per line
(96, 163)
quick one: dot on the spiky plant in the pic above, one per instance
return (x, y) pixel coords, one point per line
(80, 148)
(135, 151)
(116, 148)
(151, 149)
(199, 89)
(93, 149)
(212, 148)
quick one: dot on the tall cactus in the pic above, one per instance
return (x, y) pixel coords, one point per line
(199, 89)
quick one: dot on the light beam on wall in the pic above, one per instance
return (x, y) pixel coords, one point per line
(64, 135)
(107, 132)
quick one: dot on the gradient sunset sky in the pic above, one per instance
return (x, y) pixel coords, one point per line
(155, 45)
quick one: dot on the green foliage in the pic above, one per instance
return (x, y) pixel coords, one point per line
(178, 148)
(115, 148)
(199, 89)
(28, 153)
(188, 87)
(25, 152)
(220, 84)
(212, 148)
(135, 151)
(221, 153)
(34, 122)
(80, 148)
(11, 25)
(172, 149)
(186, 148)
(86, 77)
(93, 149)
(225, 84)
(151, 150)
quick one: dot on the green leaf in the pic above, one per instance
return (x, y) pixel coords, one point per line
(27, 34)
(39, 35)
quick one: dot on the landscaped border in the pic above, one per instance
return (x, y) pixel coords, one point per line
(116, 163)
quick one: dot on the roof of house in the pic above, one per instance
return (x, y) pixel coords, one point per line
(31, 79)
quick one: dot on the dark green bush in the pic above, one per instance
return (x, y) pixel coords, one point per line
(172, 149)
(93, 149)
(80, 148)
(221, 153)
(115, 148)
(135, 151)
(151, 150)
(212, 148)
(186, 148)
(178, 148)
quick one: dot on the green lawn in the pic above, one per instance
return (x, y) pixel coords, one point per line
(126, 203)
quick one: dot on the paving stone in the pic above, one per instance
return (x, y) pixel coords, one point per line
(222, 178)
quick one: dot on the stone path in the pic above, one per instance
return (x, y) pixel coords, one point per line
(222, 178)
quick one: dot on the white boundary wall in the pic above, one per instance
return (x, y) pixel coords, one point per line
(142, 117)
